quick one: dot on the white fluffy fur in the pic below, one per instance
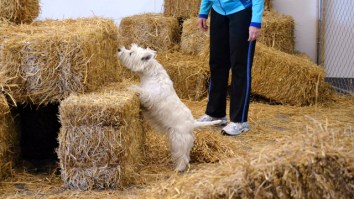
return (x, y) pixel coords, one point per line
(162, 106)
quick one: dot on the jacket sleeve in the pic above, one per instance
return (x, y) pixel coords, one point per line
(257, 12)
(205, 6)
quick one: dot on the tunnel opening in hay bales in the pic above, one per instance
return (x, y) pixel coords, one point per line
(38, 127)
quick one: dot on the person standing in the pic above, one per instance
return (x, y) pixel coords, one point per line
(234, 27)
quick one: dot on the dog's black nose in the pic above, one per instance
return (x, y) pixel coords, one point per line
(119, 49)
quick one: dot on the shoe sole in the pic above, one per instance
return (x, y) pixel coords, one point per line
(225, 133)
(220, 124)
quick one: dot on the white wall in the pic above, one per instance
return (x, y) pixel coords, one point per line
(115, 9)
(304, 13)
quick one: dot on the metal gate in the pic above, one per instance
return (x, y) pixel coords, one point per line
(336, 42)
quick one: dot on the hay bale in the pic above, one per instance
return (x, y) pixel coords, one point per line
(288, 79)
(101, 139)
(150, 30)
(9, 141)
(268, 5)
(19, 11)
(317, 163)
(189, 74)
(49, 60)
(278, 31)
(193, 40)
(181, 8)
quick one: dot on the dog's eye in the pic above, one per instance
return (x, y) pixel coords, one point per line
(130, 53)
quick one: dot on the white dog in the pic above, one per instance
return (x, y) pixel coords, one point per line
(162, 106)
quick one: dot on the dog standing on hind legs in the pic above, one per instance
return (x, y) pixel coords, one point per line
(162, 107)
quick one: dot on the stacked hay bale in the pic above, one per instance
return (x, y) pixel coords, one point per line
(8, 139)
(51, 59)
(315, 164)
(268, 5)
(278, 31)
(150, 30)
(189, 74)
(101, 139)
(288, 79)
(193, 40)
(181, 8)
(19, 11)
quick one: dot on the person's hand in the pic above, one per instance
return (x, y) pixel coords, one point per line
(254, 33)
(202, 24)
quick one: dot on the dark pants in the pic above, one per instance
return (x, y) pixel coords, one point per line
(229, 48)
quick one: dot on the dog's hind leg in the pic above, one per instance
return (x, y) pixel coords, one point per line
(181, 144)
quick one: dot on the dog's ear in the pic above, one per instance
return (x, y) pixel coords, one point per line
(133, 45)
(147, 56)
(150, 50)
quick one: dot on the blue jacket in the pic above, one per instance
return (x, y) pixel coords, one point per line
(227, 7)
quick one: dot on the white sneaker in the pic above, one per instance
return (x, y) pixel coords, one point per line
(207, 118)
(235, 128)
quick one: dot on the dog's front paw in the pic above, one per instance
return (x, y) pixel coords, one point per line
(186, 169)
(183, 169)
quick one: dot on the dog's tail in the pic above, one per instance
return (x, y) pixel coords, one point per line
(204, 124)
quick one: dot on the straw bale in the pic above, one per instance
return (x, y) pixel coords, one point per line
(188, 73)
(48, 60)
(193, 40)
(8, 139)
(268, 5)
(181, 8)
(288, 79)
(19, 11)
(150, 30)
(101, 139)
(317, 163)
(278, 31)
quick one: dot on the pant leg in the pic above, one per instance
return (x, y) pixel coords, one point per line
(219, 64)
(242, 53)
